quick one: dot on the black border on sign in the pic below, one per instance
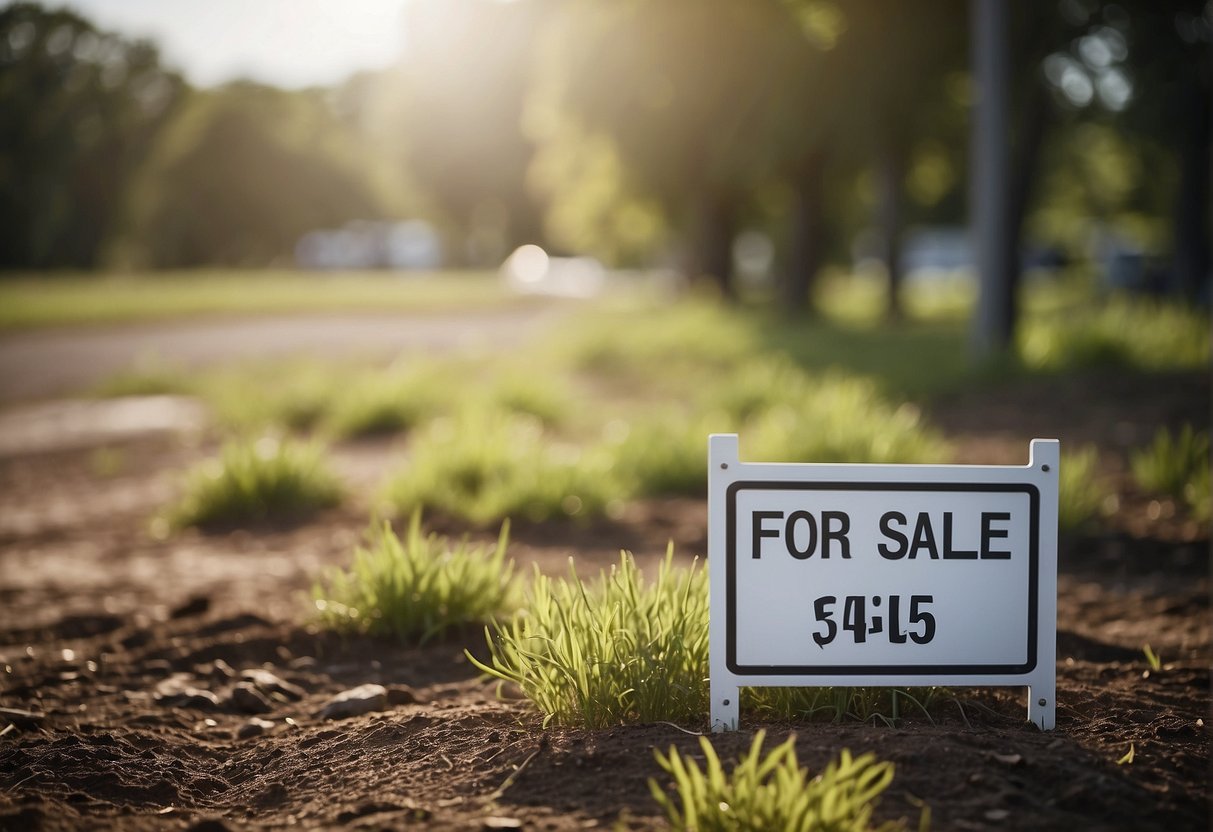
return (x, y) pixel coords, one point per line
(877, 670)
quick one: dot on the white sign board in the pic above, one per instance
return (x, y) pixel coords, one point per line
(898, 575)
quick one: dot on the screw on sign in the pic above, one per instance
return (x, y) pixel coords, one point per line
(837, 575)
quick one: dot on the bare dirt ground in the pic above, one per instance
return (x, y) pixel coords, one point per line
(178, 683)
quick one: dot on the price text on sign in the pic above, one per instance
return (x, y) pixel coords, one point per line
(893, 575)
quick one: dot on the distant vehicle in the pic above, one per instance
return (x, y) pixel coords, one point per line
(365, 244)
(530, 270)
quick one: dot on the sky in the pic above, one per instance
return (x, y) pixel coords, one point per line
(289, 43)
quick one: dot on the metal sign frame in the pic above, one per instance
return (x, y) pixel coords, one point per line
(1038, 480)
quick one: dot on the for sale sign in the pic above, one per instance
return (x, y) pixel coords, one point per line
(882, 575)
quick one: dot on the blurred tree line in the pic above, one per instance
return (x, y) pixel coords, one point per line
(641, 131)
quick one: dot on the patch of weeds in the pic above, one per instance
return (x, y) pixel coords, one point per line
(294, 395)
(384, 402)
(1082, 493)
(255, 482)
(662, 340)
(843, 419)
(1198, 495)
(542, 397)
(487, 466)
(862, 704)
(417, 588)
(149, 376)
(1120, 332)
(620, 650)
(662, 454)
(1176, 465)
(773, 791)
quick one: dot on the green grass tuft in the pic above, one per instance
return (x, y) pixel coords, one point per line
(1176, 465)
(417, 588)
(621, 650)
(772, 791)
(256, 482)
(1120, 332)
(488, 466)
(1082, 493)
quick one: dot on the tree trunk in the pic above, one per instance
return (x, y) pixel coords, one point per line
(711, 256)
(807, 235)
(1192, 201)
(891, 173)
(1034, 123)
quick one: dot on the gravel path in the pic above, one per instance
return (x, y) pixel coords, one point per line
(54, 362)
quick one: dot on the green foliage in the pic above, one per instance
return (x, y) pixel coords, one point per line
(1081, 490)
(384, 402)
(82, 109)
(772, 791)
(1198, 495)
(538, 395)
(1120, 332)
(1176, 465)
(240, 173)
(617, 651)
(417, 588)
(256, 482)
(491, 465)
(664, 453)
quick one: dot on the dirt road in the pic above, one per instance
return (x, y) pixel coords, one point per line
(52, 362)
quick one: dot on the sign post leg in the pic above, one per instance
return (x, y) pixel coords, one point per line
(1042, 706)
(726, 707)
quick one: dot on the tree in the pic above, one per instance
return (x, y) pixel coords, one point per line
(81, 109)
(697, 98)
(241, 173)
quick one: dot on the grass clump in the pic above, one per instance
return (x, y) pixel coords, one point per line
(1176, 465)
(489, 466)
(661, 454)
(621, 650)
(773, 791)
(1121, 332)
(255, 482)
(417, 588)
(382, 402)
(1082, 493)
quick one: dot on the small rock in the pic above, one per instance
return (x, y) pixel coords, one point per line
(997, 814)
(1009, 759)
(220, 668)
(363, 699)
(248, 699)
(302, 663)
(494, 822)
(159, 667)
(403, 695)
(196, 698)
(255, 727)
(510, 691)
(271, 684)
(198, 605)
(208, 825)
